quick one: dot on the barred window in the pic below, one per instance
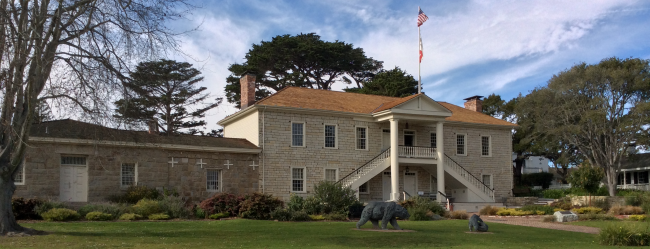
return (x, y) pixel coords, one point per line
(73, 160)
(363, 188)
(128, 174)
(362, 138)
(297, 179)
(434, 140)
(213, 179)
(460, 144)
(487, 180)
(485, 145)
(19, 178)
(330, 136)
(330, 175)
(297, 134)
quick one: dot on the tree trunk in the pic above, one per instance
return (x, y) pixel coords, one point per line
(7, 220)
(612, 179)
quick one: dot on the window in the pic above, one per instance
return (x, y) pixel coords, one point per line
(487, 180)
(331, 175)
(460, 145)
(128, 174)
(362, 138)
(73, 160)
(213, 180)
(298, 134)
(409, 138)
(330, 136)
(19, 179)
(434, 141)
(363, 189)
(297, 179)
(485, 146)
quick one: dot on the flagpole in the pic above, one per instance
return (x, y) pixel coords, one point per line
(419, 62)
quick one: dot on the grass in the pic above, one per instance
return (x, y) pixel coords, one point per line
(603, 223)
(243, 233)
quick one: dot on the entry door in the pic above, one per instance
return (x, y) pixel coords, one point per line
(385, 139)
(409, 183)
(74, 183)
(386, 183)
(409, 138)
(434, 186)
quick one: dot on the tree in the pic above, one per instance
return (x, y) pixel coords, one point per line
(303, 60)
(600, 109)
(87, 44)
(394, 83)
(164, 91)
(587, 178)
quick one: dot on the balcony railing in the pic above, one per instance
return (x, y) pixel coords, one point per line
(417, 152)
(639, 186)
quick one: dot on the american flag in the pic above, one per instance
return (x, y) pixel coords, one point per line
(421, 17)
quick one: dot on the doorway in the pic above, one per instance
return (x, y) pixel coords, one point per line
(73, 179)
(385, 139)
(386, 185)
(409, 138)
(410, 183)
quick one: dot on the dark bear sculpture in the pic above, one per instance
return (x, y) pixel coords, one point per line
(477, 224)
(384, 211)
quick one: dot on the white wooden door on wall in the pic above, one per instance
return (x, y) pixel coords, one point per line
(74, 183)
(385, 139)
(409, 183)
(386, 185)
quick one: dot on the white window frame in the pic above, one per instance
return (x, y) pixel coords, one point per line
(464, 144)
(304, 179)
(356, 137)
(135, 175)
(435, 143)
(325, 174)
(489, 146)
(415, 137)
(22, 175)
(304, 132)
(491, 180)
(336, 136)
(219, 180)
(367, 188)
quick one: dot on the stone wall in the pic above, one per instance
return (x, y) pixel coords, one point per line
(520, 201)
(42, 170)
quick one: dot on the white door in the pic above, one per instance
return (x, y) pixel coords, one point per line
(385, 139)
(434, 186)
(387, 185)
(409, 183)
(74, 183)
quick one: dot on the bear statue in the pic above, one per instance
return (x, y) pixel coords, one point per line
(384, 211)
(477, 224)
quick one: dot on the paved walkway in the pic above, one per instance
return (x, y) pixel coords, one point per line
(537, 222)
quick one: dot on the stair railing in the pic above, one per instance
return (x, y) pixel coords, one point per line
(450, 163)
(365, 168)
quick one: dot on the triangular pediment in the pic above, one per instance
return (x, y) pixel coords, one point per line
(421, 104)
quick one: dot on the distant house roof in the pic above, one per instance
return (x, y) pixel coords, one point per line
(636, 161)
(307, 98)
(72, 129)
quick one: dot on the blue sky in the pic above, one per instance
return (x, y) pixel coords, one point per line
(470, 47)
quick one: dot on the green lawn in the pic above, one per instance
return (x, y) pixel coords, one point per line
(604, 223)
(242, 233)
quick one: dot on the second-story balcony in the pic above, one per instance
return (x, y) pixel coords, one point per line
(417, 152)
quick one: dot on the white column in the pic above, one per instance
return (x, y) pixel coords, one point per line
(394, 160)
(440, 149)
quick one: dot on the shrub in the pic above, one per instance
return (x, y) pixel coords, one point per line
(513, 212)
(564, 204)
(335, 216)
(311, 205)
(259, 206)
(296, 203)
(488, 210)
(554, 193)
(199, 213)
(601, 203)
(592, 216)
(619, 210)
(459, 215)
(281, 214)
(47, 206)
(624, 235)
(419, 214)
(538, 209)
(638, 217)
(300, 216)
(174, 206)
(316, 217)
(130, 216)
(98, 216)
(60, 214)
(116, 210)
(24, 208)
(220, 203)
(134, 194)
(219, 216)
(588, 210)
(146, 207)
(334, 197)
(548, 218)
(543, 179)
(160, 216)
(421, 202)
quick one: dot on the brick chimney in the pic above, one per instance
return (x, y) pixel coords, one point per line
(247, 85)
(153, 127)
(474, 103)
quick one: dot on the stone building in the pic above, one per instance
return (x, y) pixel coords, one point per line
(388, 148)
(74, 161)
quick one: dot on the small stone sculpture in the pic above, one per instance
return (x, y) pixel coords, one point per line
(477, 224)
(384, 211)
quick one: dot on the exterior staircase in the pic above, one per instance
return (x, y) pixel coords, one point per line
(382, 161)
